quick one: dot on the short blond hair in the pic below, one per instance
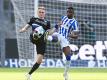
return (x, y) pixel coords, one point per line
(41, 7)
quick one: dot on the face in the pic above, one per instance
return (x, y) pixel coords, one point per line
(41, 13)
(70, 13)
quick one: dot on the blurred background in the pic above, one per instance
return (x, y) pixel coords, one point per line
(17, 51)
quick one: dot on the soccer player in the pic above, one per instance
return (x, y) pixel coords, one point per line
(68, 28)
(38, 24)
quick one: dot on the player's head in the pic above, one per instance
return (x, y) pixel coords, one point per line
(41, 12)
(70, 12)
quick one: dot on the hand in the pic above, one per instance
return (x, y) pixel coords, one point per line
(74, 34)
(60, 23)
(22, 30)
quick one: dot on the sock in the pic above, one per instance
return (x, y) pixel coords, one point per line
(67, 66)
(67, 63)
(49, 38)
(35, 67)
(52, 38)
(68, 57)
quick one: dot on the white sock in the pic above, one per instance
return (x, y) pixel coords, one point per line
(67, 66)
(49, 38)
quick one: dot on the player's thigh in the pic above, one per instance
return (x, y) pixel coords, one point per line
(41, 48)
(64, 42)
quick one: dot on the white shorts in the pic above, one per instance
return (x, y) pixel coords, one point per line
(62, 40)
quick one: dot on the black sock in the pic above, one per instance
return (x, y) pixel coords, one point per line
(35, 66)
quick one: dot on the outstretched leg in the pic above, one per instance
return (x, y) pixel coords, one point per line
(35, 66)
(67, 51)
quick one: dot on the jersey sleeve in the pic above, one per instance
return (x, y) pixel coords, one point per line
(31, 21)
(63, 18)
(48, 25)
(75, 26)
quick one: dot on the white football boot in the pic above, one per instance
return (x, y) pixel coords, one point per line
(28, 77)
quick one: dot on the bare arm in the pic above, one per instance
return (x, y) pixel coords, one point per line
(25, 28)
(51, 31)
(54, 29)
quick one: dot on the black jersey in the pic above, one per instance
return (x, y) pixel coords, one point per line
(36, 22)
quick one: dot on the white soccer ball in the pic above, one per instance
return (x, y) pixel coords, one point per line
(38, 32)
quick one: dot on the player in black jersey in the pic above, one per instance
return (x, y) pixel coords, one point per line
(39, 27)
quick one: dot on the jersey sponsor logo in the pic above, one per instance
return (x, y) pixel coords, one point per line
(44, 22)
(67, 26)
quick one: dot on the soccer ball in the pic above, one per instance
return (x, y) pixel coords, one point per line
(38, 32)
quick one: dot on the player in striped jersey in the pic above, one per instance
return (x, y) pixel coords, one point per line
(68, 28)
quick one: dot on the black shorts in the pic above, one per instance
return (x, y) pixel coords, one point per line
(40, 44)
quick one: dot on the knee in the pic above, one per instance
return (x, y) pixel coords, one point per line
(39, 61)
(66, 50)
(68, 57)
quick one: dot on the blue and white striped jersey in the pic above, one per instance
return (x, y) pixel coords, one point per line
(67, 26)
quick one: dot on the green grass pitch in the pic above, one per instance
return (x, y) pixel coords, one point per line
(54, 74)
